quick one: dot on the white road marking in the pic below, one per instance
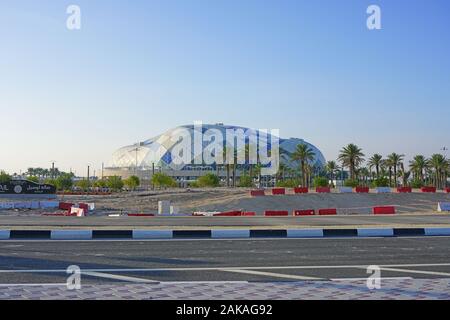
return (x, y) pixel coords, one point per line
(365, 279)
(271, 274)
(34, 285)
(117, 277)
(435, 273)
(230, 239)
(228, 268)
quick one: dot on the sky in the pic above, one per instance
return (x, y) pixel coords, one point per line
(138, 68)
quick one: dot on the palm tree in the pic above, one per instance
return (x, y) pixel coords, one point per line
(304, 154)
(331, 168)
(351, 157)
(376, 161)
(440, 165)
(395, 160)
(227, 165)
(418, 165)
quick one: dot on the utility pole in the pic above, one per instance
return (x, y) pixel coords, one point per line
(88, 174)
(102, 169)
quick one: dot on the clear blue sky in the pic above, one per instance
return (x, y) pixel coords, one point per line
(136, 68)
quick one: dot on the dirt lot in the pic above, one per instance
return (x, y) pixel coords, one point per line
(225, 199)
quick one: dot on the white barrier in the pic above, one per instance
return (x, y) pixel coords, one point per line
(305, 233)
(152, 234)
(383, 190)
(71, 234)
(443, 206)
(345, 189)
(375, 232)
(29, 205)
(77, 211)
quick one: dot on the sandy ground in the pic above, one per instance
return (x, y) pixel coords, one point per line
(226, 199)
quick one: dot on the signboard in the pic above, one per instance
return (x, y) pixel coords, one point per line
(25, 187)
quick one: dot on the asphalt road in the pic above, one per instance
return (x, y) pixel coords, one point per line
(32, 262)
(8, 222)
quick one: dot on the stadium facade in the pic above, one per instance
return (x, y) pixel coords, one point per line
(156, 154)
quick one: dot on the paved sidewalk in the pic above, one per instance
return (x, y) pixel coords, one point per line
(392, 289)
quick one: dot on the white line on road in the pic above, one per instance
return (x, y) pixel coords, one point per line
(228, 268)
(365, 279)
(117, 277)
(435, 273)
(271, 274)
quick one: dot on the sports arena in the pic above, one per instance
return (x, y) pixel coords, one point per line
(155, 155)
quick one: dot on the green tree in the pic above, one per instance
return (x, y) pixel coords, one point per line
(132, 182)
(351, 156)
(418, 166)
(4, 177)
(64, 181)
(440, 165)
(395, 161)
(303, 153)
(375, 162)
(331, 168)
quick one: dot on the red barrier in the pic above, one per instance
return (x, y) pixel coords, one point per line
(447, 190)
(323, 189)
(310, 212)
(362, 189)
(429, 189)
(85, 207)
(229, 214)
(248, 214)
(384, 210)
(301, 190)
(65, 205)
(278, 191)
(141, 215)
(270, 213)
(256, 193)
(327, 212)
(404, 189)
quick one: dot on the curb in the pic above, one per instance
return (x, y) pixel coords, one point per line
(218, 234)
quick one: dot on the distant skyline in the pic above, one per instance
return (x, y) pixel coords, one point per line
(309, 68)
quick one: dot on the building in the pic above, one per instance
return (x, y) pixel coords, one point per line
(156, 154)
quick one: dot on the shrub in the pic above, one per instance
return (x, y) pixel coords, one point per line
(83, 184)
(115, 183)
(245, 181)
(132, 182)
(351, 183)
(380, 182)
(289, 183)
(208, 180)
(102, 183)
(320, 182)
(416, 184)
(163, 180)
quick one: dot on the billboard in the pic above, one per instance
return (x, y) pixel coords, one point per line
(25, 187)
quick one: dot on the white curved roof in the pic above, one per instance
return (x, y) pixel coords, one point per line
(157, 150)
